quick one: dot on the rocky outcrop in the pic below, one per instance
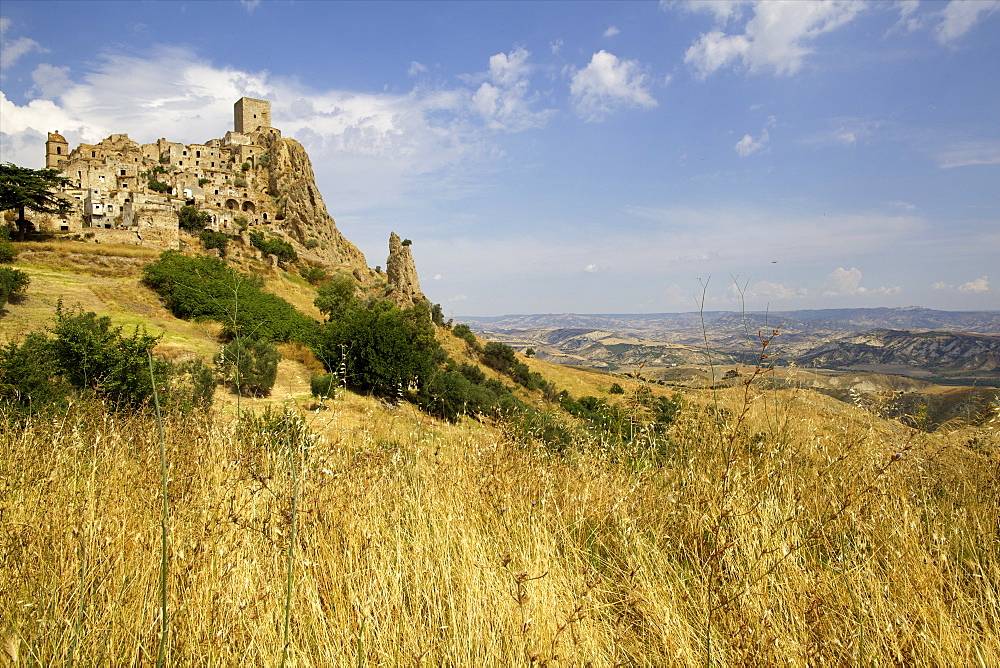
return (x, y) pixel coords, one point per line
(301, 214)
(401, 271)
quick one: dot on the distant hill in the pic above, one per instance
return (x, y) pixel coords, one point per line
(820, 320)
(950, 346)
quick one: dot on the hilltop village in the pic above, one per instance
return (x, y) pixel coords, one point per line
(252, 178)
(132, 192)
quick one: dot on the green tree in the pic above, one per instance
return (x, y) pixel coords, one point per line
(386, 350)
(212, 239)
(22, 189)
(191, 219)
(437, 315)
(272, 246)
(337, 297)
(463, 332)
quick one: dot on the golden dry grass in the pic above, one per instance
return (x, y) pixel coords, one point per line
(772, 528)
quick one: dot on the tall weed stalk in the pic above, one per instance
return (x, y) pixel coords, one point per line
(164, 515)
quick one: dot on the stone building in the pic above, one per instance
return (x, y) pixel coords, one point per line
(118, 185)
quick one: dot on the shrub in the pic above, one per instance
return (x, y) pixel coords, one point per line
(472, 373)
(191, 219)
(245, 166)
(314, 275)
(616, 388)
(212, 239)
(462, 331)
(157, 186)
(324, 385)
(312, 242)
(13, 283)
(194, 385)
(7, 251)
(241, 222)
(450, 395)
(249, 366)
(498, 356)
(93, 355)
(202, 182)
(207, 286)
(271, 246)
(30, 380)
(240, 182)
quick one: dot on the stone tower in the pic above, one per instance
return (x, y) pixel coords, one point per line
(56, 150)
(249, 114)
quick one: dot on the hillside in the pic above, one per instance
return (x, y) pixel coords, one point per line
(490, 508)
(381, 534)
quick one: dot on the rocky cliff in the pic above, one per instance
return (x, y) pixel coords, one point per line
(301, 214)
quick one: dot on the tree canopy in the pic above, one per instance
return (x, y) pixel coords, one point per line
(22, 188)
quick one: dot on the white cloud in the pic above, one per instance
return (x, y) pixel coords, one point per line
(847, 282)
(723, 10)
(504, 102)
(427, 143)
(416, 68)
(459, 298)
(612, 31)
(592, 268)
(607, 84)
(11, 50)
(50, 80)
(766, 291)
(845, 131)
(437, 277)
(977, 286)
(981, 284)
(775, 38)
(970, 153)
(900, 204)
(909, 20)
(844, 282)
(959, 16)
(748, 145)
(250, 5)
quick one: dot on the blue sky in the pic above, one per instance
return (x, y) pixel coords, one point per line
(588, 157)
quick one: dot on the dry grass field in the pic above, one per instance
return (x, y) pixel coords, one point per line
(770, 528)
(765, 527)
